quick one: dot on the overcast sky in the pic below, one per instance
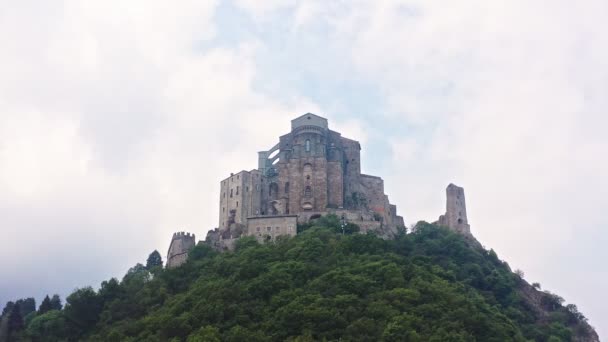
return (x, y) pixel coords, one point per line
(118, 119)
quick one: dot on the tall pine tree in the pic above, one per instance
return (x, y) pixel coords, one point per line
(56, 303)
(45, 306)
(154, 260)
(15, 323)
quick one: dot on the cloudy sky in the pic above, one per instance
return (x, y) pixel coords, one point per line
(119, 118)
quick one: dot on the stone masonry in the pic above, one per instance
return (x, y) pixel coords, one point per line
(455, 217)
(312, 171)
(268, 228)
(181, 244)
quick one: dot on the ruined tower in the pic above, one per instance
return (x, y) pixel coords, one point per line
(181, 244)
(455, 217)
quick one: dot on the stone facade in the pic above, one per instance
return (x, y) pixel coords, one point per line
(311, 171)
(181, 244)
(455, 217)
(268, 228)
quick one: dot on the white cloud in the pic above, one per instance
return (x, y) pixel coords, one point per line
(115, 131)
(504, 98)
(118, 119)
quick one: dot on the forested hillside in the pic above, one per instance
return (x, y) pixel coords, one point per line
(428, 285)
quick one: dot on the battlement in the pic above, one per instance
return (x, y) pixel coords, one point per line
(181, 244)
(183, 235)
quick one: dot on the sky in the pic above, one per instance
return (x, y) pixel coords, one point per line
(118, 119)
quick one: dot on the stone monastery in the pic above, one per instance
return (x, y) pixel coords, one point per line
(311, 172)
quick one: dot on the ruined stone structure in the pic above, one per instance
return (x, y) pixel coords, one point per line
(312, 171)
(181, 244)
(268, 228)
(455, 217)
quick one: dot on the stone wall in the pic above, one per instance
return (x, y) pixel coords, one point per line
(268, 228)
(455, 217)
(240, 197)
(315, 170)
(181, 244)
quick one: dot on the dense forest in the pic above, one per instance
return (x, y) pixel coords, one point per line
(322, 285)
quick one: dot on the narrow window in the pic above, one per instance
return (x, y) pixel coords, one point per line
(237, 204)
(231, 193)
(307, 145)
(223, 210)
(287, 187)
(308, 192)
(247, 189)
(237, 190)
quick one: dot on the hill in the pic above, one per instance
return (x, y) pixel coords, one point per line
(428, 285)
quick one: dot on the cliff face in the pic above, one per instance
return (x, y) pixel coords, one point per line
(545, 304)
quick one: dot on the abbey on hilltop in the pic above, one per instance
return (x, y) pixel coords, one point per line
(312, 171)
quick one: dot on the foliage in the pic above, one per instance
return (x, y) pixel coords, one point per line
(56, 302)
(154, 260)
(429, 285)
(45, 306)
(50, 326)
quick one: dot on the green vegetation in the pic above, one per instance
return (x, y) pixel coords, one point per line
(429, 285)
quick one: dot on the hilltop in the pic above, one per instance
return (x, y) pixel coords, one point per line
(428, 285)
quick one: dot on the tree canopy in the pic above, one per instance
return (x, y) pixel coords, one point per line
(428, 285)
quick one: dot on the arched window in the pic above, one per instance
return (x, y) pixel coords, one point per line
(307, 145)
(308, 192)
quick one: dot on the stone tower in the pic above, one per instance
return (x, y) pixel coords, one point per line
(455, 217)
(181, 244)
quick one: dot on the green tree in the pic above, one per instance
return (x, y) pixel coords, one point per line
(15, 323)
(56, 302)
(154, 260)
(51, 326)
(82, 309)
(8, 308)
(45, 306)
(428, 285)
(26, 306)
(205, 334)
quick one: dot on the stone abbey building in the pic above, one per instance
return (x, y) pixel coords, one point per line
(311, 172)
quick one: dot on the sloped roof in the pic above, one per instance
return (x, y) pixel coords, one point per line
(309, 119)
